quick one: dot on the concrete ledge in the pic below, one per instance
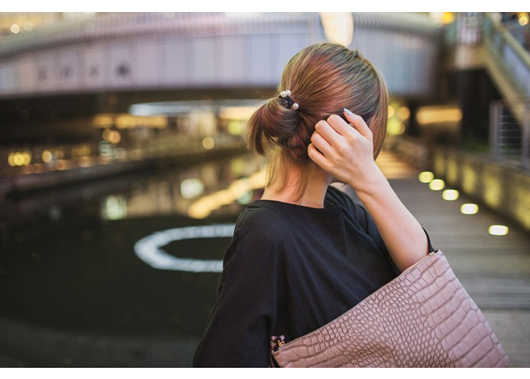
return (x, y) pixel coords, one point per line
(502, 187)
(193, 154)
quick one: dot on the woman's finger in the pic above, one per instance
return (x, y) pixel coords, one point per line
(329, 134)
(359, 123)
(321, 143)
(317, 156)
(340, 126)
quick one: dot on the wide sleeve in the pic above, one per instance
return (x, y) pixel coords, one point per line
(368, 224)
(239, 325)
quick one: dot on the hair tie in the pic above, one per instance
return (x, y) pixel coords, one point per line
(286, 95)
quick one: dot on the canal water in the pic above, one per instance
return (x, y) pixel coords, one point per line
(121, 256)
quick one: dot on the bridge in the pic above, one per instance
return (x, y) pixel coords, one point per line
(206, 51)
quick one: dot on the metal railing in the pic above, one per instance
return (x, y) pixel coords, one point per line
(508, 53)
(509, 137)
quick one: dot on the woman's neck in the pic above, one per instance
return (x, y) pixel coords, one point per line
(313, 195)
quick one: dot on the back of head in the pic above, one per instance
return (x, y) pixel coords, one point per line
(323, 79)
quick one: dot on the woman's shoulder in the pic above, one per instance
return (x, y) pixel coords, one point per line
(260, 221)
(257, 240)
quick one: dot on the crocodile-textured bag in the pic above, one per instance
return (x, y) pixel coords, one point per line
(422, 318)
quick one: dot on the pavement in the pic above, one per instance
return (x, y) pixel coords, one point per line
(494, 270)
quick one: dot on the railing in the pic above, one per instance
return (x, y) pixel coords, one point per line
(510, 138)
(508, 53)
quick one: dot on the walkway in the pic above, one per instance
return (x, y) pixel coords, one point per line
(495, 270)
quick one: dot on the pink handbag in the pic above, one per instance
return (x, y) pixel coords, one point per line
(422, 318)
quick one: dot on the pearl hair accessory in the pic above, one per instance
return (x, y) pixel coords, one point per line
(287, 95)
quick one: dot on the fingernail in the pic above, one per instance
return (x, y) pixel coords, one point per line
(348, 111)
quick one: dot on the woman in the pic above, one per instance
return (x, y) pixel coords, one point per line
(305, 253)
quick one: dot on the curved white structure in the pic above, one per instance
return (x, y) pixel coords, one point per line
(149, 249)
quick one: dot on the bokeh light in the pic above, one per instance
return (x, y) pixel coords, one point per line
(469, 209)
(436, 184)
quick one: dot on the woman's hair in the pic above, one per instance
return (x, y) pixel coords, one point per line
(323, 79)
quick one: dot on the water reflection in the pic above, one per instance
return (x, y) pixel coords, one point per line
(196, 192)
(68, 260)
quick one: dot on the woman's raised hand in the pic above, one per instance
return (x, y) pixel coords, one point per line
(345, 150)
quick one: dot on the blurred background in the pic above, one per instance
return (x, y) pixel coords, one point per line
(123, 168)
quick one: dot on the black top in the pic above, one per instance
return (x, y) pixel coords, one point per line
(289, 270)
